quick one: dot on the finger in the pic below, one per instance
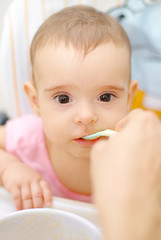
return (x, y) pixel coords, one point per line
(26, 197)
(95, 160)
(138, 115)
(46, 193)
(37, 195)
(17, 198)
(99, 146)
(123, 122)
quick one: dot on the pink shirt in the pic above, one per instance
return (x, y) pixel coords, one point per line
(25, 139)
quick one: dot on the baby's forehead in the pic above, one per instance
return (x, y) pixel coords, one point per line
(67, 62)
(54, 50)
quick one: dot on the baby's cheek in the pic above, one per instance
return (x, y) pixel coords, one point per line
(110, 122)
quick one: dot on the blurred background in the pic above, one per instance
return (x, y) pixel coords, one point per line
(3, 7)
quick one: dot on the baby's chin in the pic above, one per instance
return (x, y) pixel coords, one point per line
(83, 154)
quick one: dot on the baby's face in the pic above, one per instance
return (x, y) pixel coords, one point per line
(79, 96)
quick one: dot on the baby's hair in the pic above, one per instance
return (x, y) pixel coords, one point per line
(82, 27)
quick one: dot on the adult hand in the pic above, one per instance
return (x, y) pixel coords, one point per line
(126, 175)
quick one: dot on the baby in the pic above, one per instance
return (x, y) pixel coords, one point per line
(81, 84)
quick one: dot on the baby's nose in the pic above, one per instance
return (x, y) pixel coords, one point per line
(86, 115)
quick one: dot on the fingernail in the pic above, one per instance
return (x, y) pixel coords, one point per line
(49, 204)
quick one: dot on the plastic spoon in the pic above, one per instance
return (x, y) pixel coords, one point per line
(105, 133)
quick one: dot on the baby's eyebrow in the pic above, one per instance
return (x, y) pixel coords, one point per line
(101, 88)
(55, 88)
(113, 87)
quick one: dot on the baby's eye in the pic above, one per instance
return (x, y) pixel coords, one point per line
(63, 98)
(106, 97)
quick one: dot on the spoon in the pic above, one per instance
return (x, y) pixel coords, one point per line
(105, 133)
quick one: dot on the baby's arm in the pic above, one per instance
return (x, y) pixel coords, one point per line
(26, 186)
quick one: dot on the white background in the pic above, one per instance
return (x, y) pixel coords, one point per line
(3, 7)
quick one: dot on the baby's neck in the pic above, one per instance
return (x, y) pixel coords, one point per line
(72, 172)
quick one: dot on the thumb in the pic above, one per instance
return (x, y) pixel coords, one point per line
(131, 117)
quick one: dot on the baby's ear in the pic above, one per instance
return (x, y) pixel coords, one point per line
(31, 93)
(133, 86)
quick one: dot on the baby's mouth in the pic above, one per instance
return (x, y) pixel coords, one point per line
(86, 142)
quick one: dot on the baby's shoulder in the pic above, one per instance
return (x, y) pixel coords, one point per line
(28, 122)
(25, 131)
